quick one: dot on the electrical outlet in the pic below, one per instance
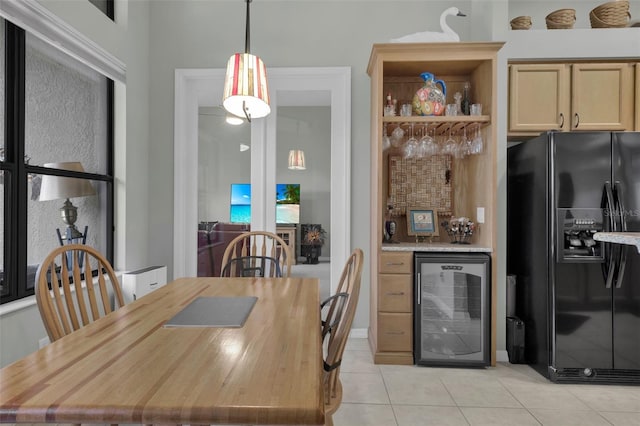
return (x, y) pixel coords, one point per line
(480, 214)
(43, 342)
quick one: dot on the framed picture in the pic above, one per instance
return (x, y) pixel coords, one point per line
(422, 221)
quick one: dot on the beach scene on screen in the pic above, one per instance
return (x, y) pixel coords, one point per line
(287, 203)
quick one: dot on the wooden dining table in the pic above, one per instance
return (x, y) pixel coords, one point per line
(130, 367)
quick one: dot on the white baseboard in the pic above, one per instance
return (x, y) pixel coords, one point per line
(358, 333)
(502, 356)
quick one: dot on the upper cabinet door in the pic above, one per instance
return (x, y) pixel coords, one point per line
(538, 97)
(602, 96)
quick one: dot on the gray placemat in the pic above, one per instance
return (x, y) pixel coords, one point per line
(214, 312)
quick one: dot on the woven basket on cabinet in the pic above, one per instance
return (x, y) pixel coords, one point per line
(613, 14)
(521, 23)
(561, 19)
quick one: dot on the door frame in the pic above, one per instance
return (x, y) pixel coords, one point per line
(196, 88)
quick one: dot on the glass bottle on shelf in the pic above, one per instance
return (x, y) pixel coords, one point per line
(466, 100)
(389, 229)
(458, 98)
(389, 107)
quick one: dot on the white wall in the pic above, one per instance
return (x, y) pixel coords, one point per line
(309, 129)
(220, 162)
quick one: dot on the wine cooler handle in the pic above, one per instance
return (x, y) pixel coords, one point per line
(418, 288)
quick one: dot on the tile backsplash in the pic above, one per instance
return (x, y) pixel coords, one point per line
(420, 182)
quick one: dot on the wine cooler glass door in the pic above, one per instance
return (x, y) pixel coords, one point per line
(453, 311)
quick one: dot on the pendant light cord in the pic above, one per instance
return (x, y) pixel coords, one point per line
(247, 38)
(247, 34)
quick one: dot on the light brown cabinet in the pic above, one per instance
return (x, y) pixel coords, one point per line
(395, 310)
(470, 182)
(568, 97)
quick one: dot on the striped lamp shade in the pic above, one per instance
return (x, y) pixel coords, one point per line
(296, 159)
(245, 87)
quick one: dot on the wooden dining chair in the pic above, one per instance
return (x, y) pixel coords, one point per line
(340, 309)
(65, 302)
(252, 266)
(259, 243)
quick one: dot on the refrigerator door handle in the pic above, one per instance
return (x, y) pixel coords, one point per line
(610, 207)
(610, 256)
(622, 257)
(418, 288)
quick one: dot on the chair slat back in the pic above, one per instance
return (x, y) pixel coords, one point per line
(252, 266)
(65, 301)
(259, 243)
(337, 325)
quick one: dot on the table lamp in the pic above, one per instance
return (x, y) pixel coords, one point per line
(58, 187)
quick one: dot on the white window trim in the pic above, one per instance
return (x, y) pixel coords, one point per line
(38, 20)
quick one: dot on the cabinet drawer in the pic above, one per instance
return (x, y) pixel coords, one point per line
(395, 263)
(394, 293)
(395, 332)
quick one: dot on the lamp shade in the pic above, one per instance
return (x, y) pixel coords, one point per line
(296, 159)
(58, 187)
(245, 87)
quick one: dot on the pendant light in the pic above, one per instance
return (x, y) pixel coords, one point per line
(296, 160)
(245, 86)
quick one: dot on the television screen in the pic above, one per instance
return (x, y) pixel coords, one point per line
(240, 203)
(287, 203)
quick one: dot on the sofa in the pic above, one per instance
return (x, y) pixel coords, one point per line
(213, 239)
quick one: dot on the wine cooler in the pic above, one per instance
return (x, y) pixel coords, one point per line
(452, 312)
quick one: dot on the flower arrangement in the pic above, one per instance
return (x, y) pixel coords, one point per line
(314, 235)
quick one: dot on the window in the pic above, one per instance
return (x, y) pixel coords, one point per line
(57, 164)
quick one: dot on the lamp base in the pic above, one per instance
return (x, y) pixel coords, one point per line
(72, 235)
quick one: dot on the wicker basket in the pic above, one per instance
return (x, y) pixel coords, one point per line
(613, 14)
(521, 23)
(561, 19)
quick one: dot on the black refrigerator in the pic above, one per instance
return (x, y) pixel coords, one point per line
(579, 298)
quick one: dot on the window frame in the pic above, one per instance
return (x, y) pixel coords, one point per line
(15, 187)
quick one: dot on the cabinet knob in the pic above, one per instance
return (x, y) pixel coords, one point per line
(395, 332)
(395, 263)
(396, 293)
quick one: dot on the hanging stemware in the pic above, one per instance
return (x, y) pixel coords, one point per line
(396, 136)
(477, 145)
(411, 147)
(386, 141)
(449, 147)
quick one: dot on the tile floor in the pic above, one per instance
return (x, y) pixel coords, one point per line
(509, 394)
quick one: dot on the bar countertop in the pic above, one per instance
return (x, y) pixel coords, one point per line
(436, 247)
(629, 238)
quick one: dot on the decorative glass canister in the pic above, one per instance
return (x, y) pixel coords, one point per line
(430, 99)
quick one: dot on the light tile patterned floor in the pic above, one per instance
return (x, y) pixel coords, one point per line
(508, 394)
